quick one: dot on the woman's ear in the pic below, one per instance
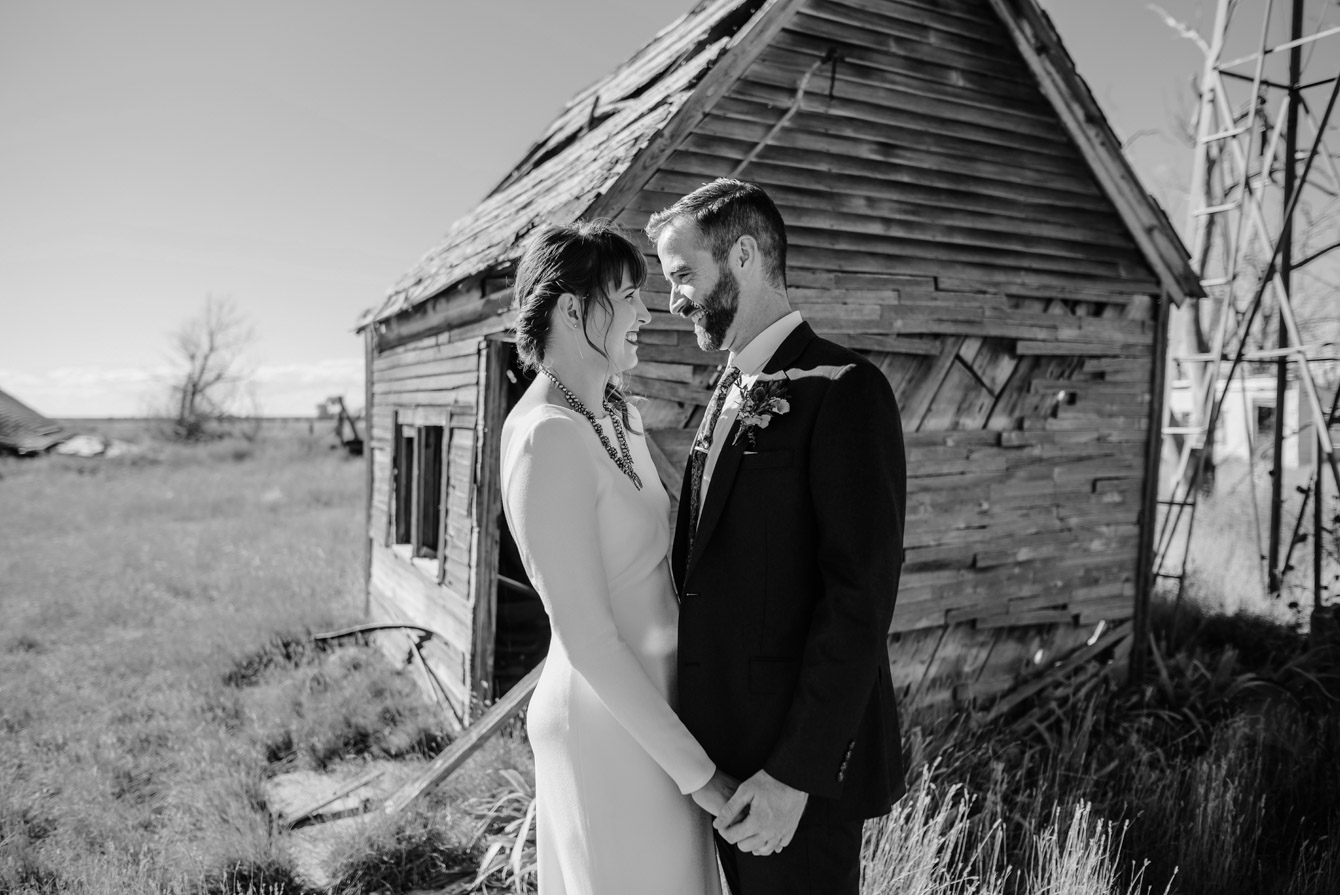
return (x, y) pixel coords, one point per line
(569, 311)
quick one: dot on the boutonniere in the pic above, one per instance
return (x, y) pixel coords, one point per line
(765, 399)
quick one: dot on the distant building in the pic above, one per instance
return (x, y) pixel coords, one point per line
(1248, 415)
(24, 430)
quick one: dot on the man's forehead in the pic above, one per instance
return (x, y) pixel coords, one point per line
(680, 236)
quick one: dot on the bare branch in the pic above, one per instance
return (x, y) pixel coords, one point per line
(1181, 28)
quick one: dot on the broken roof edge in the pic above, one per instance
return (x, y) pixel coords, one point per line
(726, 60)
(1040, 43)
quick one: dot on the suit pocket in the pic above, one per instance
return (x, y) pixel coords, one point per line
(772, 675)
(765, 459)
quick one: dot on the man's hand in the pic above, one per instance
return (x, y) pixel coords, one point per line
(712, 797)
(762, 816)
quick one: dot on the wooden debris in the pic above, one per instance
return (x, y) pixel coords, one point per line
(465, 745)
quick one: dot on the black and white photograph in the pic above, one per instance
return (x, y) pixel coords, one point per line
(696, 447)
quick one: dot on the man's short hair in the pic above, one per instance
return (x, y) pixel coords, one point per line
(724, 210)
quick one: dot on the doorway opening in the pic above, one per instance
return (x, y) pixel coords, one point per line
(522, 633)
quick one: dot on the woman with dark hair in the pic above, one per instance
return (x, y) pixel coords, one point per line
(616, 772)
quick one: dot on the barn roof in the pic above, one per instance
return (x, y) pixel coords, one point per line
(590, 150)
(24, 430)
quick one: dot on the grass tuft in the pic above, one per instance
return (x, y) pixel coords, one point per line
(282, 652)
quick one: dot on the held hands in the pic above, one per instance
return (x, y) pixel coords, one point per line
(713, 796)
(762, 816)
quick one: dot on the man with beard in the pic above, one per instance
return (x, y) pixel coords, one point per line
(786, 556)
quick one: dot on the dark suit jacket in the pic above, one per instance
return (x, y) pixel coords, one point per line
(786, 602)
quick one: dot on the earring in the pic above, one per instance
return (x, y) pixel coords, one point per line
(579, 344)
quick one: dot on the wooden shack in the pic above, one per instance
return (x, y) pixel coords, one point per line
(957, 209)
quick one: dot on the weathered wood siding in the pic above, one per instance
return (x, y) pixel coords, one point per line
(431, 381)
(941, 222)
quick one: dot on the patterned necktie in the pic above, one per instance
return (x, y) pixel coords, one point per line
(702, 444)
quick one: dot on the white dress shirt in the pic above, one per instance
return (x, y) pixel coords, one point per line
(750, 361)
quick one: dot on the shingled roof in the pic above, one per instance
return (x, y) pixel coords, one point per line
(24, 430)
(603, 130)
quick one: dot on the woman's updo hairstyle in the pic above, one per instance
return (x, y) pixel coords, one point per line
(588, 259)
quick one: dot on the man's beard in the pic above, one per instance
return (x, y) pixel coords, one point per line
(719, 309)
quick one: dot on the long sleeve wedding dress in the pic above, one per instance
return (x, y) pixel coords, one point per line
(613, 763)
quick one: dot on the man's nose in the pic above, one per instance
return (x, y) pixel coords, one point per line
(677, 301)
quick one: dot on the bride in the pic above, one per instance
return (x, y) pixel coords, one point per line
(617, 775)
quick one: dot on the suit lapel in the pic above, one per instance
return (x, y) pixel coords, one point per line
(728, 462)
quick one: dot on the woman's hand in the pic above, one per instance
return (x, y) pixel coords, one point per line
(714, 795)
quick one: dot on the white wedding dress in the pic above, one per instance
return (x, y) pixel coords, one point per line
(613, 763)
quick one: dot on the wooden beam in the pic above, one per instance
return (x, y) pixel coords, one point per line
(369, 477)
(465, 745)
(1144, 572)
(493, 359)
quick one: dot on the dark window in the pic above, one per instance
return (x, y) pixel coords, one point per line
(417, 476)
(1265, 421)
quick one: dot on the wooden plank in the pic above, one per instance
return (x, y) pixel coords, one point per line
(487, 510)
(920, 393)
(992, 360)
(855, 35)
(463, 396)
(927, 227)
(886, 344)
(441, 382)
(1072, 292)
(895, 22)
(418, 598)
(898, 183)
(471, 739)
(865, 94)
(390, 372)
(962, 18)
(1006, 272)
(816, 236)
(908, 209)
(674, 443)
(959, 403)
(666, 372)
(674, 354)
(438, 347)
(683, 393)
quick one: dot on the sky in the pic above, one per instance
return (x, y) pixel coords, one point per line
(298, 156)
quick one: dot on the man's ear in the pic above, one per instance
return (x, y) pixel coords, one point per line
(569, 310)
(745, 253)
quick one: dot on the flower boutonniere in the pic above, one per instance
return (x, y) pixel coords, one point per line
(763, 400)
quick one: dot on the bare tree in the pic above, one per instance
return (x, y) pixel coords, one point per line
(211, 372)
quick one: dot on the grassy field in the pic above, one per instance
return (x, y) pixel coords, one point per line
(156, 668)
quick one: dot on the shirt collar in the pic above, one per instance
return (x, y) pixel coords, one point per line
(752, 358)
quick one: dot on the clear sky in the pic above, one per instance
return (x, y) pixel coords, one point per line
(299, 155)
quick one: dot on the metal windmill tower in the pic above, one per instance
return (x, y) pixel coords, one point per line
(1261, 157)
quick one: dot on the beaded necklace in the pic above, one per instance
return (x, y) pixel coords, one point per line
(623, 458)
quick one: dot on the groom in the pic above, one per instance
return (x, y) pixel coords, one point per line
(786, 555)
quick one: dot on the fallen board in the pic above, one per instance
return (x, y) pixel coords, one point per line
(474, 736)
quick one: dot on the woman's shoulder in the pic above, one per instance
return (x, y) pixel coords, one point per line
(544, 425)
